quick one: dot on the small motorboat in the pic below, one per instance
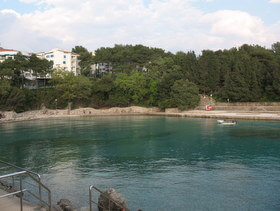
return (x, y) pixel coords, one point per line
(226, 122)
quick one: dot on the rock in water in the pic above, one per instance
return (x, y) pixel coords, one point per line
(105, 205)
(66, 205)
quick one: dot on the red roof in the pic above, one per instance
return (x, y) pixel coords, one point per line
(2, 49)
(69, 52)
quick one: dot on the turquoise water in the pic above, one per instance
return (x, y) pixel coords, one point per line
(157, 163)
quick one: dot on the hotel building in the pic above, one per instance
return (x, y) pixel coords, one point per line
(62, 59)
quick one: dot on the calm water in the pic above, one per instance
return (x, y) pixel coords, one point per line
(157, 163)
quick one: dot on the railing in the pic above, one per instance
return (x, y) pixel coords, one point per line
(34, 177)
(30, 172)
(15, 192)
(91, 188)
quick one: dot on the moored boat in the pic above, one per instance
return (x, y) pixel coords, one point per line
(226, 122)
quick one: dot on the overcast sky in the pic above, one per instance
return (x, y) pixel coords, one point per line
(174, 25)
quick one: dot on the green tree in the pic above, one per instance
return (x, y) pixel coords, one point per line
(209, 72)
(102, 88)
(189, 65)
(128, 58)
(85, 59)
(276, 48)
(133, 86)
(184, 94)
(5, 87)
(40, 67)
(164, 72)
(76, 89)
(17, 65)
(10, 97)
(13, 100)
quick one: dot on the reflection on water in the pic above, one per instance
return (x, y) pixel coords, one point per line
(157, 163)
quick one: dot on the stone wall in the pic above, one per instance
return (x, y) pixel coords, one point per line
(243, 106)
(48, 113)
(114, 110)
(250, 104)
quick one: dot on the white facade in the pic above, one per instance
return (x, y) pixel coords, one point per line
(62, 60)
(7, 53)
(101, 68)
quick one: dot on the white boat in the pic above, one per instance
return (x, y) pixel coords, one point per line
(226, 122)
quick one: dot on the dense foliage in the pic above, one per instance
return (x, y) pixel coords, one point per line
(147, 77)
(13, 96)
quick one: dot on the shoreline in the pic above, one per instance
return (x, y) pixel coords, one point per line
(135, 110)
(236, 115)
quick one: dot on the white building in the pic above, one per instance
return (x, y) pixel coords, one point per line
(101, 68)
(7, 53)
(62, 59)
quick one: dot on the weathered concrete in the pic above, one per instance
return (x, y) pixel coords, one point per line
(12, 203)
(268, 112)
(47, 113)
(225, 115)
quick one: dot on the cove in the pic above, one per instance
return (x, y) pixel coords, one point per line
(157, 163)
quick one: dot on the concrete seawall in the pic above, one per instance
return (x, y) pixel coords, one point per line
(257, 114)
(228, 115)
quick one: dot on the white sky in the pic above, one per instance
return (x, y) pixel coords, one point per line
(174, 25)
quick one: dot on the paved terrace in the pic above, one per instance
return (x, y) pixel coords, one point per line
(12, 203)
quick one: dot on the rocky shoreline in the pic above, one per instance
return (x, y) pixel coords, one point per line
(10, 116)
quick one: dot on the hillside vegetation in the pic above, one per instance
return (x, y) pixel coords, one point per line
(147, 77)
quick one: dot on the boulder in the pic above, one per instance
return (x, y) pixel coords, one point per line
(118, 204)
(65, 205)
(56, 208)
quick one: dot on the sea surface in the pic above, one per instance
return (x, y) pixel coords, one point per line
(156, 163)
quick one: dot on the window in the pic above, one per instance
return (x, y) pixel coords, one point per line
(52, 56)
(64, 56)
(47, 56)
(64, 62)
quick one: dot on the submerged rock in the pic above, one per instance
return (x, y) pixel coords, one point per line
(119, 204)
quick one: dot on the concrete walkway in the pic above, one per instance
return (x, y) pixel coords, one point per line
(226, 115)
(134, 110)
(12, 203)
